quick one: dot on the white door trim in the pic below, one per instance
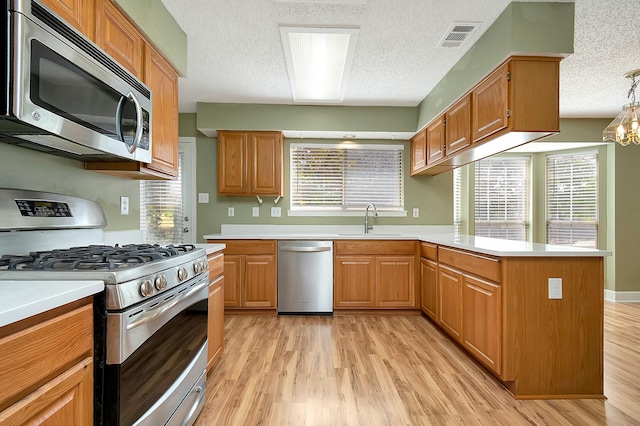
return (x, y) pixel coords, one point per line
(189, 183)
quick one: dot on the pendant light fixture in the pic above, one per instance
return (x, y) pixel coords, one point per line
(624, 128)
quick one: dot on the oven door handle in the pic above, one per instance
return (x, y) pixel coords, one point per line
(143, 319)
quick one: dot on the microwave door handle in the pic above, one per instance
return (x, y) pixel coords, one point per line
(119, 110)
(139, 123)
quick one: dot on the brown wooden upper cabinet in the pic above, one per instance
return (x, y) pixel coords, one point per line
(250, 163)
(419, 151)
(119, 37)
(516, 103)
(80, 14)
(121, 40)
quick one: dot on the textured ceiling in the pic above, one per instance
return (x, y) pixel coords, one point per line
(235, 53)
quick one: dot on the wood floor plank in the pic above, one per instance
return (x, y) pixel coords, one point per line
(394, 370)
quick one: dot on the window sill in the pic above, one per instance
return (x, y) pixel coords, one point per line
(326, 213)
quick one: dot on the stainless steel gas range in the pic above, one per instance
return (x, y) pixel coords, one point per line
(151, 321)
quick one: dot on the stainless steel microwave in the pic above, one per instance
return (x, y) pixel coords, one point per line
(65, 96)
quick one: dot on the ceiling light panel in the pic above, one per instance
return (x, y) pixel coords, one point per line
(318, 61)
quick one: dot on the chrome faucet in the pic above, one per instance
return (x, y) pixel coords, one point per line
(368, 227)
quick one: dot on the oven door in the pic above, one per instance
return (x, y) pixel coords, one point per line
(156, 357)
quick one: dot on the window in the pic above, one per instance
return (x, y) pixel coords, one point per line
(337, 177)
(572, 199)
(161, 215)
(502, 198)
(457, 200)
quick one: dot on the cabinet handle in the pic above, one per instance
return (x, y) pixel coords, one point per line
(304, 249)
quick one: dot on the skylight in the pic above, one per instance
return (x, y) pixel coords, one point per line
(318, 62)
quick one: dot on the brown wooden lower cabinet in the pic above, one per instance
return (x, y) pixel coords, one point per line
(429, 288)
(250, 274)
(450, 298)
(354, 282)
(482, 321)
(215, 309)
(47, 368)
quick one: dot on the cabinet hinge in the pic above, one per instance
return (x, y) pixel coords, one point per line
(508, 113)
(444, 122)
(508, 75)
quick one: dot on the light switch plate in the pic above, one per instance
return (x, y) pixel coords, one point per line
(555, 288)
(124, 206)
(203, 197)
(416, 212)
(276, 211)
(231, 212)
(255, 212)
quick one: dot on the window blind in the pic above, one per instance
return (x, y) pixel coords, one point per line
(457, 200)
(502, 198)
(572, 199)
(161, 215)
(340, 177)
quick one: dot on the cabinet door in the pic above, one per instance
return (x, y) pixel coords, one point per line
(259, 286)
(395, 282)
(450, 293)
(78, 13)
(354, 285)
(215, 325)
(233, 274)
(233, 176)
(266, 157)
(482, 328)
(429, 289)
(435, 140)
(419, 152)
(163, 82)
(489, 101)
(458, 125)
(119, 38)
(65, 400)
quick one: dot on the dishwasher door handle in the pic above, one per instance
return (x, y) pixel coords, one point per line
(304, 249)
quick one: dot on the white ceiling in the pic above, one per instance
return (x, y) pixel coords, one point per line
(235, 53)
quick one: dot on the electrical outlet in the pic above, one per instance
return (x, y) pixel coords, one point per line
(203, 197)
(555, 288)
(416, 212)
(255, 212)
(124, 206)
(275, 211)
(231, 212)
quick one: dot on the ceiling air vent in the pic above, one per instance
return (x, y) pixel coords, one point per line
(458, 33)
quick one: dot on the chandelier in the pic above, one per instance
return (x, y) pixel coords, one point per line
(624, 128)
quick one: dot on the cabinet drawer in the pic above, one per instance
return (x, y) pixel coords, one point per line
(248, 246)
(362, 247)
(481, 266)
(216, 265)
(33, 356)
(428, 250)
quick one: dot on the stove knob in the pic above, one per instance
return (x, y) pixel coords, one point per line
(182, 274)
(146, 288)
(161, 282)
(205, 265)
(197, 266)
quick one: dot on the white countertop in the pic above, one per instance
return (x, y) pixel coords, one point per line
(442, 235)
(23, 299)
(210, 247)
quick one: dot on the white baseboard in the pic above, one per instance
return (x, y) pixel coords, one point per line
(622, 296)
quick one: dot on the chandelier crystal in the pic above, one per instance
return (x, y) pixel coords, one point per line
(624, 128)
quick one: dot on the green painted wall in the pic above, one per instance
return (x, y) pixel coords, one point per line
(211, 116)
(157, 23)
(28, 169)
(432, 195)
(523, 28)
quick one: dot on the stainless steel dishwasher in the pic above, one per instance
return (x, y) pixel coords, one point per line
(305, 277)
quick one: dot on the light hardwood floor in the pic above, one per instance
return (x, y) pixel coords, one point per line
(394, 370)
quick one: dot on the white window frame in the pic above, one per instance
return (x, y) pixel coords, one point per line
(501, 228)
(344, 211)
(573, 224)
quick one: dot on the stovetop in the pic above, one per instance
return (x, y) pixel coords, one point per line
(93, 257)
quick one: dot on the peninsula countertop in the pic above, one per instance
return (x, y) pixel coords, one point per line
(442, 235)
